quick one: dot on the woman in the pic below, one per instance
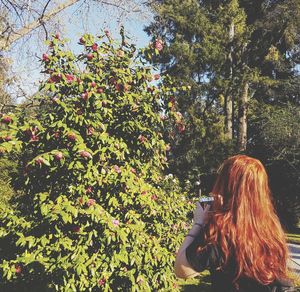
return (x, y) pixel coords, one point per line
(240, 240)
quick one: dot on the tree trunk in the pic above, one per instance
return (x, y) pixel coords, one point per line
(242, 118)
(229, 113)
(228, 117)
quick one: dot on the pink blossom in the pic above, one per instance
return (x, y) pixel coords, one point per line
(101, 282)
(70, 78)
(34, 138)
(141, 138)
(156, 76)
(76, 228)
(55, 99)
(117, 169)
(89, 56)
(116, 222)
(39, 161)
(59, 156)
(89, 189)
(158, 44)
(94, 47)
(154, 197)
(120, 53)
(91, 202)
(71, 136)
(90, 131)
(45, 58)
(85, 154)
(85, 96)
(6, 119)
(81, 41)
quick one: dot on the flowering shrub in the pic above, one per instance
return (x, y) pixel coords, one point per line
(96, 213)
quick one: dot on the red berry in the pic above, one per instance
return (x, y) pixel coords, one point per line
(89, 56)
(93, 84)
(57, 36)
(7, 138)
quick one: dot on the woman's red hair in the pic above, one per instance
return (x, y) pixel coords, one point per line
(244, 222)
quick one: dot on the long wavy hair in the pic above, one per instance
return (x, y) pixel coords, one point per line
(244, 223)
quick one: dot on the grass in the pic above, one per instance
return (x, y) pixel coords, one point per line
(293, 238)
(201, 283)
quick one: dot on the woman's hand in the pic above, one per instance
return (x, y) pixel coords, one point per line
(200, 214)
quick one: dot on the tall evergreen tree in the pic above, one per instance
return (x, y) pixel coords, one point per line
(230, 52)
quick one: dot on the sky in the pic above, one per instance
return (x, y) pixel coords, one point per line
(71, 23)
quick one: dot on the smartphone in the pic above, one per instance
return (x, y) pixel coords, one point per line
(206, 200)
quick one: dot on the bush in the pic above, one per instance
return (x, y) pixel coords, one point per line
(7, 170)
(95, 214)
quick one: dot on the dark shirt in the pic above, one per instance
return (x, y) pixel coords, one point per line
(209, 258)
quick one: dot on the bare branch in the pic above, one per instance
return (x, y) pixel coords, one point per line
(35, 24)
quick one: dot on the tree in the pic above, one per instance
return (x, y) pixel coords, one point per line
(275, 132)
(229, 52)
(94, 213)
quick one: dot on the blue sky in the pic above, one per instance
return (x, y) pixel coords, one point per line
(73, 23)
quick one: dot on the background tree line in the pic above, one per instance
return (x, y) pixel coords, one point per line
(241, 59)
